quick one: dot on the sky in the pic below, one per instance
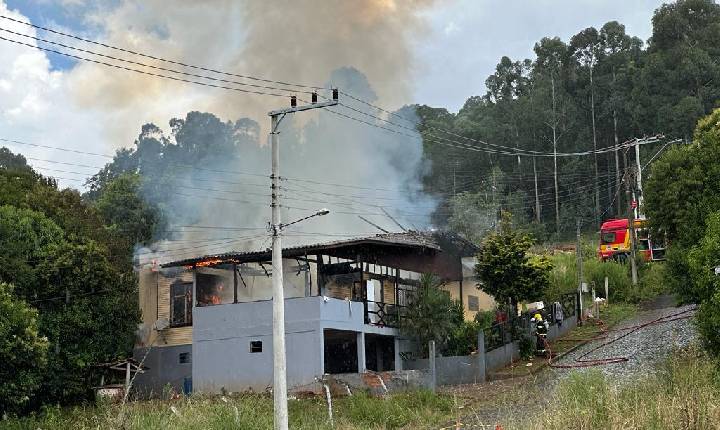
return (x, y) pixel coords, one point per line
(415, 51)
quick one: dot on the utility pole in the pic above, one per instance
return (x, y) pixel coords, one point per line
(455, 164)
(279, 357)
(537, 197)
(555, 171)
(617, 156)
(631, 225)
(638, 178)
(578, 252)
(595, 155)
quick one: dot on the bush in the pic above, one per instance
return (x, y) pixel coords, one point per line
(707, 321)
(430, 315)
(563, 277)
(527, 347)
(654, 279)
(22, 352)
(463, 339)
(485, 318)
(620, 283)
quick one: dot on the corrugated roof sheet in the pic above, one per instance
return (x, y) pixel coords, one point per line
(415, 239)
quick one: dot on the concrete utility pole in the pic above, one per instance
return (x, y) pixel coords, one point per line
(537, 197)
(279, 357)
(631, 224)
(578, 252)
(638, 179)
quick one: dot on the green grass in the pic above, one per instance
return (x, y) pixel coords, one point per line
(563, 278)
(682, 395)
(421, 409)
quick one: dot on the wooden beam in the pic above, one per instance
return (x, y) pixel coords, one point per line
(235, 283)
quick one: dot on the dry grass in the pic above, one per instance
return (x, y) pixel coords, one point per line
(682, 395)
(420, 409)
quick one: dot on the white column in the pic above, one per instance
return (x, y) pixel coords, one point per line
(361, 352)
(398, 358)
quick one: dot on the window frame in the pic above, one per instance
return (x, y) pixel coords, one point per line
(254, 344)
(477, 303)
(187, 286)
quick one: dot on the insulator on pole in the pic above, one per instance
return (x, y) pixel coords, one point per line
(293, 101)
(314, 97)
(335, 93)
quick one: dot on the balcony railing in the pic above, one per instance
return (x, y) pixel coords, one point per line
(383, 314)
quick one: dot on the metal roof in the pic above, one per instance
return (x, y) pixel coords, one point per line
(411, 239)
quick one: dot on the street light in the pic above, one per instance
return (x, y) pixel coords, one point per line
(321, 212)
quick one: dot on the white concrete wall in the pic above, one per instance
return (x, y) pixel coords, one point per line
(222, 336)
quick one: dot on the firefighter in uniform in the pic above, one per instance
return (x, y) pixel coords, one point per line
(541, 331)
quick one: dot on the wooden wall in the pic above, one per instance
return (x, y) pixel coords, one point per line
(155, 304)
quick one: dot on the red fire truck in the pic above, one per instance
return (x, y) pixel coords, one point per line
(615, 241)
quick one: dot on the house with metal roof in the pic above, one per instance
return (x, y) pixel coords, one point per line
(207, 321)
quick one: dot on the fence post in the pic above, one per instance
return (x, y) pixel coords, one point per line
(481, 355)
(433, 368)
(607, 293)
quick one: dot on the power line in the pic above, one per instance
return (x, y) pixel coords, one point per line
(151, 66)
(152, 57)
(460, 145)
(130, 69)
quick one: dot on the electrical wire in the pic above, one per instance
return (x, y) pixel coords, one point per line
(131, 69)
(152, 57)
(151, 66)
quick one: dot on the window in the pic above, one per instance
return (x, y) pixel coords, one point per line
(473, 303)
(607, 237)
(180, 303)
(255, 346)
(211, 289)
(184, 358)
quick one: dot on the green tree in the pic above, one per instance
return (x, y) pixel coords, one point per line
(24, 237)
(702, 261)
(86, 298)
(506, 271)
(89, 313)
(680, 196)
(430, 315)
(125, 211)
(22, 352)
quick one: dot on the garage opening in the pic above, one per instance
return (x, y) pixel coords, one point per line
(340, 355)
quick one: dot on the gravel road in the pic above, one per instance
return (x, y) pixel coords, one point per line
(645, 349)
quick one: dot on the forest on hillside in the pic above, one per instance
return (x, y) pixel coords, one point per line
(601, 88)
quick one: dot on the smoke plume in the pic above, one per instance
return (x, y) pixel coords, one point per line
(353, 169)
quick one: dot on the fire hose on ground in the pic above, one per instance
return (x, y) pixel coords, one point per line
(582, 361)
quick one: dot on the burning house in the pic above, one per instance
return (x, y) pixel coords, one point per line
(207, 321)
